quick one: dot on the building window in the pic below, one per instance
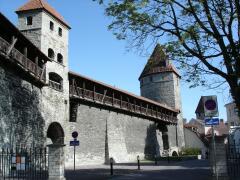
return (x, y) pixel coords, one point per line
(51, 53)
(60, 31)
(29, 20)
(55, 81)
(51, 25)
(60, 58)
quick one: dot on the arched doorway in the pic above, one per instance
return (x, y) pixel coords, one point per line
(55, 133)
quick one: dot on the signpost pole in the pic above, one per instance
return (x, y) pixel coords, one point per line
(214, 153)
(74, 143)
(211, 110)
(74, 156)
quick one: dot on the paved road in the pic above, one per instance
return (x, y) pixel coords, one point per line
(182, 170)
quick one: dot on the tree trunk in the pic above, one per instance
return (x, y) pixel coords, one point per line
(235, 92)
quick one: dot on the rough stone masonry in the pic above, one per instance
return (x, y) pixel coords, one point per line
(110, 122)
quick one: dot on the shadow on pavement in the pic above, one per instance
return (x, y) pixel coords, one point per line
(185, 170)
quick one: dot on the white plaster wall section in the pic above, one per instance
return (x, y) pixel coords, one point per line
(116, 139)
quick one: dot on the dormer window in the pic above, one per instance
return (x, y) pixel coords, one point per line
(60, 31)
(51, 54)
(59, 58)
(51, 25)
(29, 20)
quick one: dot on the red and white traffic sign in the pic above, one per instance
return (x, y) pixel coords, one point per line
(210, 106)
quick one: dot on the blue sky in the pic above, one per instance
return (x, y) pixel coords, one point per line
(94, 51)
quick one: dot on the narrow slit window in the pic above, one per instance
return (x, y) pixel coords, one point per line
(60, 31)
(51, 25)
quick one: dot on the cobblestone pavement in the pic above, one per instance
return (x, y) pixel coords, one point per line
(182, 170)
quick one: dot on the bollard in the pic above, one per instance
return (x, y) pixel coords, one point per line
(138, 161)
(168, 159)
(155, 159)
(111, 166)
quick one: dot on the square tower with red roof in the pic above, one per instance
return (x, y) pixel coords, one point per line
(47, 29)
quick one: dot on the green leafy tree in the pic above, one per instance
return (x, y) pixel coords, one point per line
(202, 36)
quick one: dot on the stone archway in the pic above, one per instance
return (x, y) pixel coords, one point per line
(56, 155)
(55, 133)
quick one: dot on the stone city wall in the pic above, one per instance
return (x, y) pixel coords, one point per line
(26, 112)
(21, 120)
(104, 134)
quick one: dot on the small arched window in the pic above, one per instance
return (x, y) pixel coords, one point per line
(51, 53)
(55, 81)
(60, 58)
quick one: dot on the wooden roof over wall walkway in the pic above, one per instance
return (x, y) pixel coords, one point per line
(84, 88)
(18, 51)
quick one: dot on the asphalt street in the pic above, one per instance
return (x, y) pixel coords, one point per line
(180, 170)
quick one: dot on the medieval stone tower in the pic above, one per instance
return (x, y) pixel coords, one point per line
(160, 82)
(46, 28)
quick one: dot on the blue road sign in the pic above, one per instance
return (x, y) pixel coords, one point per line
(212, 121)
(74, 143)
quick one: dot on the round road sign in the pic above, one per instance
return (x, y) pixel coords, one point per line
(75, 134)
(210, 104)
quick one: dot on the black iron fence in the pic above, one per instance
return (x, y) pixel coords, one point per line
(233, 160)
(24, 164)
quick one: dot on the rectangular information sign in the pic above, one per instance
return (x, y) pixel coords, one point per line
(212, 121)
(74, 143)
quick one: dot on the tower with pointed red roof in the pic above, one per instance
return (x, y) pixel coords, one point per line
(160, 82)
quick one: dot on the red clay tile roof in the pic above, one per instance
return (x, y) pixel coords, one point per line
(157, 63)
(41, 4)
(125, 92)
